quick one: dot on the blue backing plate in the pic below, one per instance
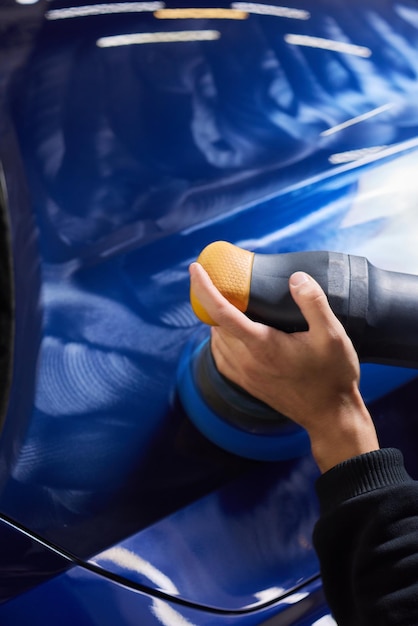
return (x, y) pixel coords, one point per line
(243, 443)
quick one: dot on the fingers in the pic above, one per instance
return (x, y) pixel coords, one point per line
(306, 292)
(219, 309)
(313, 303)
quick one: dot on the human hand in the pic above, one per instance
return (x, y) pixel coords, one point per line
(312, 377)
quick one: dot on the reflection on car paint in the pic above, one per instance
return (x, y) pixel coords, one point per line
(292, 129)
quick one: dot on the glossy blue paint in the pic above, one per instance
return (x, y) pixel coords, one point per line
(81, 596)
(18, 31)
(37, 561)
(121, 164)
(260, 525)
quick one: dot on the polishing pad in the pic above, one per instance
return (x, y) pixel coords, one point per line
(228, 416)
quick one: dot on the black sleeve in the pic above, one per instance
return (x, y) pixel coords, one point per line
(367, 540)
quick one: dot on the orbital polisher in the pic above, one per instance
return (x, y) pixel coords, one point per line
(378, 309)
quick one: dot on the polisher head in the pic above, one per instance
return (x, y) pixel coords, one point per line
(228, 416)
(223, 412)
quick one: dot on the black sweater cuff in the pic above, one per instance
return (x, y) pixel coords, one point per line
(359, 475)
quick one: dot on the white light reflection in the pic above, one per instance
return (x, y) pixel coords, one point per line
(296, 597)
(162, 37)
(357, 119)
(26, 1)
(103, 9)
(268, 9)
(167, 615)
(196, 14)
(124, 558)
(386, 191)
(267, 595)
(326, 620)
(354, 155)
(328, 44)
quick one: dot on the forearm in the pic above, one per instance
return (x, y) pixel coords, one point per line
(367, 540)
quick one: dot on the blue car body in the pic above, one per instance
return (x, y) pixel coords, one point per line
(132, 134)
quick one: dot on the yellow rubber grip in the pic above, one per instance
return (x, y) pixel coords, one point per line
(230, 269)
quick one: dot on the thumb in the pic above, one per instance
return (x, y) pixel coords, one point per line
(313, 303)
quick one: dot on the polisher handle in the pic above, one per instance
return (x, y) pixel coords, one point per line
(378, 308)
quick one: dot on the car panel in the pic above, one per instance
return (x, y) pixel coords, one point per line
(121, 163)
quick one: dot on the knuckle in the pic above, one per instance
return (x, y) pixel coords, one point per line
(315, 295)
(335, 337)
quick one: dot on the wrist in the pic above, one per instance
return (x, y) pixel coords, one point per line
(345, 432)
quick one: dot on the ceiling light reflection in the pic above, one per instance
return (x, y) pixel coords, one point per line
(354, 155)
(357, 119)
(195, 14)
(167, 615)
(328, 44)
(126, 559)
(327, 620)
(268, 9)
(272, 593)
(103, 9)
(161, 37)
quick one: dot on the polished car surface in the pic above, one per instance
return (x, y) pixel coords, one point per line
(132, 134)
